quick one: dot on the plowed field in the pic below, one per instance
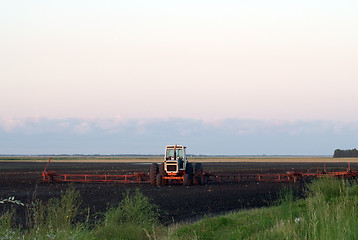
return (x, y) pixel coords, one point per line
(178, 203)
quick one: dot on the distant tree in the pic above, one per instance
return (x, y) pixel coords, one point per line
(338, 153)
(350, 153)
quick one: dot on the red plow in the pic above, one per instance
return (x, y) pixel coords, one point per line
(221, 178)
(52, 176)
(206, 177)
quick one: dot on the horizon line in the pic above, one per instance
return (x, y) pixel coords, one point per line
(160, 155)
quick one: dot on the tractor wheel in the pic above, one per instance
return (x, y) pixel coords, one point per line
(159, 180)
(153, 173)
(161, 169)
(189, 168)
(198, 173)
(186, 180)
(189, 171)
(163, 173)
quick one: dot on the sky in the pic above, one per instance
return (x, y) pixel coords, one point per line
(222, 77)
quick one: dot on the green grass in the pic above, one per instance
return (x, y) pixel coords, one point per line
(56, 213)
(134, 217)
(329, 211)
(51, 220)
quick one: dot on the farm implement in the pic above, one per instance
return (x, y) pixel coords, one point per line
(52, 176)
(290, 176)
(177, 169)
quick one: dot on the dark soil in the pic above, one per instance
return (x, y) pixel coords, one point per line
(177, 203)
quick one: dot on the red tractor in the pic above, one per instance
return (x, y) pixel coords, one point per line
(175, 168)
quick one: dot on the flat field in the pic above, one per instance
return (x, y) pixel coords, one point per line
(21, 177)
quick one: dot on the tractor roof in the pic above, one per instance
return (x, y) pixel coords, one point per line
(172, 146)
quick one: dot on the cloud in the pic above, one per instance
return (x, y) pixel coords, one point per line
(8, 124)
(111, 124)
(215, 122)
(75, 125)
(185, 127)
(63, 125)
(82, 128)
(222, 136)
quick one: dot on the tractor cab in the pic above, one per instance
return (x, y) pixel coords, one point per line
(174, 159)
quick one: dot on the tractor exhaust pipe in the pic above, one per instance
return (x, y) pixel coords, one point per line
(175, 152)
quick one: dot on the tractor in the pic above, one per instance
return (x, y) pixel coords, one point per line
(175, 167)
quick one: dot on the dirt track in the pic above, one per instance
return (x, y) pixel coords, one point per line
(23, 181)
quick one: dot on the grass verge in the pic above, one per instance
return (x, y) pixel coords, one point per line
(330, 211)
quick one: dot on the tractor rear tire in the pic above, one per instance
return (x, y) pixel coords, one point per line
(161, 169)
(198, 173)
(159, 180)
(186, 180)
(153, 173)
(189, 171)
(189, 168)
(163, 173)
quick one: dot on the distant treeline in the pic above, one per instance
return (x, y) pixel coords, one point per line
(350, 153)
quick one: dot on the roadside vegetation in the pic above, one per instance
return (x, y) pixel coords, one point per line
(329, 211)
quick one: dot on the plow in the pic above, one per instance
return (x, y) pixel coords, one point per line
(176, 169)
(52, 177)
(290, 176)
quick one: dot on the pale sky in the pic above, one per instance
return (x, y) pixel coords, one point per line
(203, 60)
(144, 59)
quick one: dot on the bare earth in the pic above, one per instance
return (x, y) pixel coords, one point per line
(22, 179)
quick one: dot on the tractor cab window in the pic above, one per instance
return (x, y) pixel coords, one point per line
(170, 153)
(179, 153)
